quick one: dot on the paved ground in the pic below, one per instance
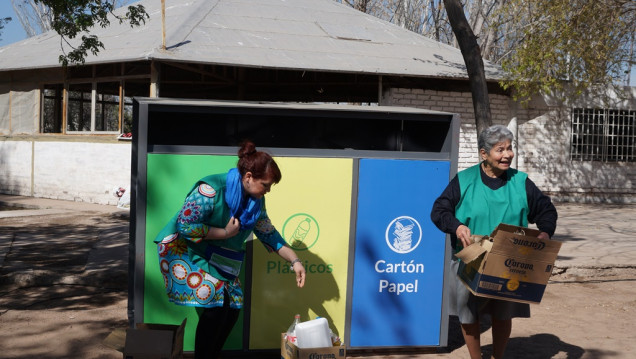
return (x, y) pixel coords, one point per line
(63, 269)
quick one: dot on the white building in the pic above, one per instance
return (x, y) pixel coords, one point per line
(61, 129)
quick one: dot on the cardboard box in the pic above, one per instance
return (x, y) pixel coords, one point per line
(149, 341)
(510, 264)
(291, 351)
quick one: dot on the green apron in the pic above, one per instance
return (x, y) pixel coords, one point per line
(481, 209)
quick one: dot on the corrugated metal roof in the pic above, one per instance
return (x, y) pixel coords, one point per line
(319, 35)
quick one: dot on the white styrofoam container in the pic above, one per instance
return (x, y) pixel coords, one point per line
(313, 334)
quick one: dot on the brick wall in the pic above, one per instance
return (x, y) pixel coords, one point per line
(454, 102)
(542, 148)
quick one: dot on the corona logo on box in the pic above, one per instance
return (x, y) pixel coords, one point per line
(532, 244)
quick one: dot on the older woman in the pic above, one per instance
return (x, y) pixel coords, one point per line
(475, 202)
(201, 250)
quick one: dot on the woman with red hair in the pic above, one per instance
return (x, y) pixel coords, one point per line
(201, 250)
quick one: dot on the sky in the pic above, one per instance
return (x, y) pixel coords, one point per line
(14, 32)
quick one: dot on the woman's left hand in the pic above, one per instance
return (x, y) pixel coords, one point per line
(544, 236)
(300, 274)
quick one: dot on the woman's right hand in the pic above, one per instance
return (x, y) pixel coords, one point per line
(463, 234)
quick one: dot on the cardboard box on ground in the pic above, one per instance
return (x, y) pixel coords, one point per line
(289, 350)
(510, 264)
(149, 341)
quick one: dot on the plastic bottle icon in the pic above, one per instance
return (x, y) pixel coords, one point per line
(301, 231)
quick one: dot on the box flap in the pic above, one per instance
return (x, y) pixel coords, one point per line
(177, 348)
(515, 243)
(516, 229)
(148, 342)
(151, 340)
(481, 245)
(116, 339)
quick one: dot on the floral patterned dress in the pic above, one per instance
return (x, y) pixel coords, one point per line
(190, 276)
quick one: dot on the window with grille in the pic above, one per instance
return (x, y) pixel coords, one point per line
(607, 135)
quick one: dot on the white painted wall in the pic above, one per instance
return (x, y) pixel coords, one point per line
(15, 167)
(75, 171)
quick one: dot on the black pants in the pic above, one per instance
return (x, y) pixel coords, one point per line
(215, 325)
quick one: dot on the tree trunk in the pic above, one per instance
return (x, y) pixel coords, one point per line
(474, 63)
(361, 5)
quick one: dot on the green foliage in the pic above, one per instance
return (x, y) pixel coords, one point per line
(567, 46)
(74, 17)
(559, 47)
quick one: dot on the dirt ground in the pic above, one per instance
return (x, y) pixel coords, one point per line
(585, 313)
(581, 316)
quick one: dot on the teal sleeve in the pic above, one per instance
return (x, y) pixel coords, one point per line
(192, 217)
(267, 234)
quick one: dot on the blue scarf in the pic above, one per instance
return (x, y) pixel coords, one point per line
(249, 209)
